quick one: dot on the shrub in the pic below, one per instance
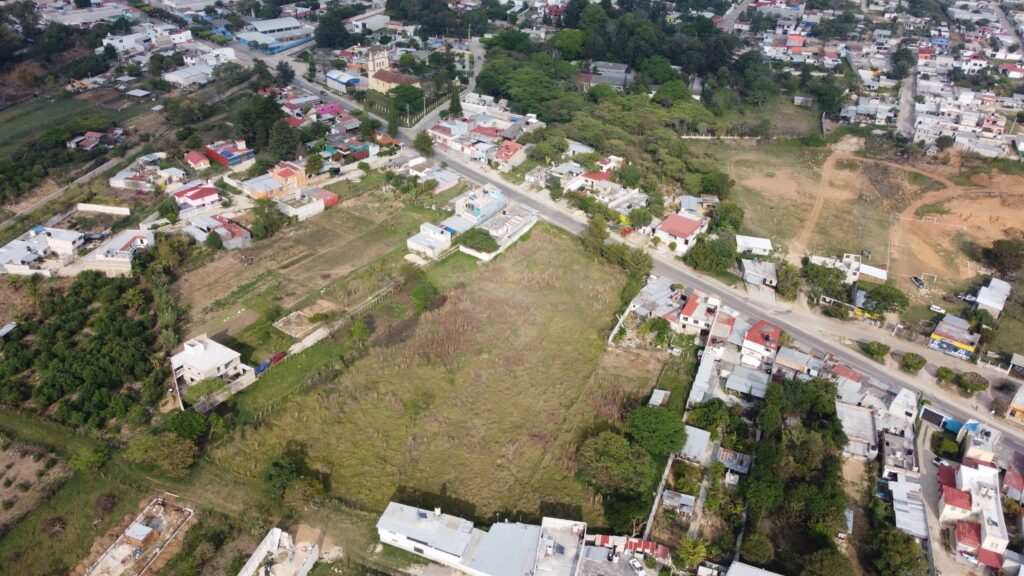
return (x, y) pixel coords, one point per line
(913, 362)
(972, 382)
(877, 350)
(477, 239)
(945, 374)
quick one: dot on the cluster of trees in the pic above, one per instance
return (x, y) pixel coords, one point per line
(636, 262)
(173, 445)
(290, 478)
(798, 477)
(45, 154)
(623, 468)
(95, 349)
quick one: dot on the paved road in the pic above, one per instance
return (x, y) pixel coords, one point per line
(815, 331)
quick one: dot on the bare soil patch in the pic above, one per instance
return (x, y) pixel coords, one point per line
(855, 545)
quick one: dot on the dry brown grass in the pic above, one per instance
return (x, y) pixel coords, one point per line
(486, 401)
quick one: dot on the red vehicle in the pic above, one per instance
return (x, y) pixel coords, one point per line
(277, 357)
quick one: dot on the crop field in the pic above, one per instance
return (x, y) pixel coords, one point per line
(34, 116)
(487, 399)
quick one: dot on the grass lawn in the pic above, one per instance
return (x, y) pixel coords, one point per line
(35, 116)
(485, 402)
(1010, 337)
(678, 374)
(851, 226)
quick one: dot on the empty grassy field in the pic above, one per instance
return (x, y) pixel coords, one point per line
(485, 402)
(34, 116)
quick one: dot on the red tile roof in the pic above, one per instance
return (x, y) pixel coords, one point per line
(764, 334)
(947, 476)
(990, 558)
(968, 534)
(606, 177)
(957, 498)
(676, 225)
(691, 304)
(196, 193)
(193, 157)
(294, 122)
(488, 132)
(976, 464)
(442, 130)
(848, 373)
(507, 150)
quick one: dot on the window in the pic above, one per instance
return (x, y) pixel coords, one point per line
(417, 549)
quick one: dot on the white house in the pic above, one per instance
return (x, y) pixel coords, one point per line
(507, 549)
(189, 75)
(753, 245)
(203, 359)
(761, 343)
(114, 257)
(431, 241)
(681, 231)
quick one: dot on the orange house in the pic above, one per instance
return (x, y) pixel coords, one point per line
(285, 178)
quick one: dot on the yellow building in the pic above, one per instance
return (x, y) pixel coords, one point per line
(382, 78)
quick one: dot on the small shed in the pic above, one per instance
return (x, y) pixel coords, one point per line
(138, 93)
(140, 535)
(659, 398)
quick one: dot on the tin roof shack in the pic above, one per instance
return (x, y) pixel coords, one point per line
(140, 535)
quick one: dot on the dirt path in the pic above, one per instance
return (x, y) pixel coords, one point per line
(799, 246)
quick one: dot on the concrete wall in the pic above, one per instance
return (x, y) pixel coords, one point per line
(116, 210)
(269, 544)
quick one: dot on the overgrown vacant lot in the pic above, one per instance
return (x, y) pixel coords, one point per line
(484, 402)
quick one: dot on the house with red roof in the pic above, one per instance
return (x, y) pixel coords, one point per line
(229, 152)
(971, 500)
(956, 504)
(195, 197)
(697, 313)
(509, 155)
(1013, 482)
(678, 232)
(761, 343)
(196, 160)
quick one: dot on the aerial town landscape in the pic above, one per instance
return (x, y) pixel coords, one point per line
(525, 288)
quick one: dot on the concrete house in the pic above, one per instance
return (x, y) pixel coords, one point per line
(761, 343)
(993, 297)
(507, 549)
(953, 337)
(478, 206)
(431, 241)
(114, 257)
(753, 245)
(681, 231)
(202, 359)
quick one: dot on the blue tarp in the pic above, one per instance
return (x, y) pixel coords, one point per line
(952, 425)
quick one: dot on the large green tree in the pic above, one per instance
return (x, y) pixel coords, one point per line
(423, 144)
(894, 553)
(656, 429)
(613, 466)
(757, 549)
(1006, 256)
(169, 453)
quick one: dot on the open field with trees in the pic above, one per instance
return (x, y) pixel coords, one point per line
(443, 408)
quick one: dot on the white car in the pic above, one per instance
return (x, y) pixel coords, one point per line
(636, 566)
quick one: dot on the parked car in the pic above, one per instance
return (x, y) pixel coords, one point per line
(968, 298)
(277, 357)
(951, 299)
(636, 566)
(917, 281)
(262, 367)
(938, 309)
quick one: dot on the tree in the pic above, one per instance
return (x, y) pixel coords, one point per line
(945, 374)
(614, 466)
(285, 73)
(640, 217)
(711, 255)
(828, 562)
(214, 241)
(656, 429)
(393, 123)
(267, 219)
(885, 298)
(314, 164)
(691, 551)
(895, 552)
(727, 216)
(407, 99)
(596, 235)
(331, 31)
(455, 106)
(944, 142)
(972, 382)
(788, 285)
(305, 492)
(1006, 256)
(877, 350)
(757, 549)
(284, 141)
(188, 424)
(913, 362)
(167, 452)
(261, 73)
(423, 144)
